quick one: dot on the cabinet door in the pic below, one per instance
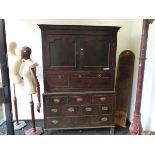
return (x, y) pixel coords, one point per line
(95, 52)
(61, 51)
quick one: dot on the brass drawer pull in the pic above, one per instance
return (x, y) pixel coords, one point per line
(79, 99)
(54, 110)
(89, 109)
(103, 99)
(99, 75)
(59, 76)
(104, 119)
(105, 108)
(79, 76)
(71, 109)
(55, 121)
(56, 100)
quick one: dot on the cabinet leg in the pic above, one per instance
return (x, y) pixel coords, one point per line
(112, 130)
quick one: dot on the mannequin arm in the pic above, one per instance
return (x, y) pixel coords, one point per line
(35, 79)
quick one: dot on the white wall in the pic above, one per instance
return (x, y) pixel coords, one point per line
(26, 32)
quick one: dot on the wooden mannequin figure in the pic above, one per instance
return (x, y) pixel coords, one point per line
(14, 62)
(31, 85)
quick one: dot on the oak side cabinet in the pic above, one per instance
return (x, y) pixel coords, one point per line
(79, 76)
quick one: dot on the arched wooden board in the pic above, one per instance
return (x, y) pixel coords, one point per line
(124, 86)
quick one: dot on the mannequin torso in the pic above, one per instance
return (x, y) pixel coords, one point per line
(14, 63)
(29, 83)
(14, 67)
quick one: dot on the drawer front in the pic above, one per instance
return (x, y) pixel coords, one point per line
(103, 99)
(56, 100)
(106, 108)
(79, 99)
(79, 122)
(81, 110)
(91, 80)
(63, 110)
(55, 81)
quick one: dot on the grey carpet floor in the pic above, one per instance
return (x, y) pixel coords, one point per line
(95, 131)
(39, 123)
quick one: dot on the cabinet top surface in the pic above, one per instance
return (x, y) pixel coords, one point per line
(85, 27)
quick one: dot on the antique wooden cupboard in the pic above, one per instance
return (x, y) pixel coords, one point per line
(79, 76)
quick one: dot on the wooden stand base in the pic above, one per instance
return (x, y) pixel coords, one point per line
(38, 131)
(19, 125)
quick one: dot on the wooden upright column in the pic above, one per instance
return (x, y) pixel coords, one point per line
(136, 127)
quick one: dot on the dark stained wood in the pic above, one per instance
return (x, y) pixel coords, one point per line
(5, 80)
(124, 86)
(79, 68)
(136, 126)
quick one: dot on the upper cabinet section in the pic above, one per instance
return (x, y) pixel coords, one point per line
(72, 48)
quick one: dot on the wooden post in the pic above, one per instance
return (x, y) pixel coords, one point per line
(32, 115)
(34, 130)
(15, 105)
(136, 127)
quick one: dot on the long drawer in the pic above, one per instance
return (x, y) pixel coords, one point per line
(77, 80)
(75, 110)
(79, 122)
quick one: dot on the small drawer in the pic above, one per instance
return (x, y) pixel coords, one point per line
(79, 99)
(90, 110)
(103, 99)
(55, 100)
(105, 109)
(56, 81)
(53, 111)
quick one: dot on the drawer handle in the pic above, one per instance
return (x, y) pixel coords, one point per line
(99, 75)
(88, 109)
(59, 76)
(103, 99)
(55, 121)
(105, 69)
(54, 110)
(79, 76)
(71, 109)
(56, 100)
(104, 119)
(105, 108)
(79, 99)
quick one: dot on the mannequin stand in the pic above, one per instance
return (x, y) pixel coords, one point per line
(34, 130)
(18, 124)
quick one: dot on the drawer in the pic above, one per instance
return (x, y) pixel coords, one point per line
(56, 81)
(103, 99)
(91, 80)
(106, 109)
(79, 99)
(79, 122)
(56, 100)
(62, 110)
(90, 110)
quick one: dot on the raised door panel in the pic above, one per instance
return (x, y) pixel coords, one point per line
(95, 52)
(61, 52)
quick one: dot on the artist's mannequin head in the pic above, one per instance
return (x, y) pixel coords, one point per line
(11, 47)
(25, 52)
